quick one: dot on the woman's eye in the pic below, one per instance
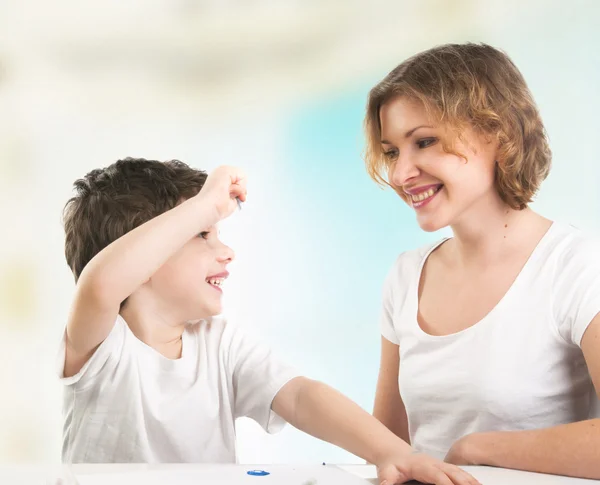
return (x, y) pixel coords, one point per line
(425, 142)
(391, 154)
(204, 234)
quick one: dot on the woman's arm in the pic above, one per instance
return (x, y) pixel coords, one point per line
(570, 449)
(389, 408)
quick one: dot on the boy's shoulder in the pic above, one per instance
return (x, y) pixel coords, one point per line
(220, 334)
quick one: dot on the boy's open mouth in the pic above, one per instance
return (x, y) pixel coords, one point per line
(216, 281)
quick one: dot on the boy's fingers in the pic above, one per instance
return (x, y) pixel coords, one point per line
(238, 177)
(390, 476)
(238, 190)
(459, 476)
(438, 477)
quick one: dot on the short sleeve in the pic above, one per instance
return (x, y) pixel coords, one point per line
(387, 307)
(104, 358)
(577, 288)
(257, 375)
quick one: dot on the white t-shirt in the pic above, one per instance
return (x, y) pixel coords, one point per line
(131, 404)
(520, 367)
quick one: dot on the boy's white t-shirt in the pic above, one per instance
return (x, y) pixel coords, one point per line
(520, 367)
(130, 404)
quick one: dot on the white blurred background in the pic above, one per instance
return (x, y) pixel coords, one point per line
(278, 88)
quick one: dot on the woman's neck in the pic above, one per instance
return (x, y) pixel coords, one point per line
(491, 231)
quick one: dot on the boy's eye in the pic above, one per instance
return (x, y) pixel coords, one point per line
(425, 142)
(204, 234)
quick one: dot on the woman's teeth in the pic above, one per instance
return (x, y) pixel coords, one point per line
(424, 195)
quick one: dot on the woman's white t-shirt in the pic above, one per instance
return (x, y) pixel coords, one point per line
(520, 367)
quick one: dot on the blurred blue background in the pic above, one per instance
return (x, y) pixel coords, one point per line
(278, 88)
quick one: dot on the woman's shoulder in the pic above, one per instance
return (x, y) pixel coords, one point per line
(574, 246)
(408, 264)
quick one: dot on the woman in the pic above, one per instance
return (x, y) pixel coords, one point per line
(491, 338)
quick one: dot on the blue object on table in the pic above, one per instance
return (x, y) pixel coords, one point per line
(258, 473)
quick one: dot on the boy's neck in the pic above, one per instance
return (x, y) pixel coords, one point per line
(155, 330)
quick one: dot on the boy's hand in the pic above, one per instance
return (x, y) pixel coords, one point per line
(221, 189)
(422, 468)
(321, 411)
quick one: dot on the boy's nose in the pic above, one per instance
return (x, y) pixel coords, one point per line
(226, 254)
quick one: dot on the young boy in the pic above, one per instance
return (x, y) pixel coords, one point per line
(150, 373)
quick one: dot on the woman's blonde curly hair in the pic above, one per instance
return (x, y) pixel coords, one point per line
(472, 85)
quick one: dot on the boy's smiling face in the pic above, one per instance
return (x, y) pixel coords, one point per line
(189, 284)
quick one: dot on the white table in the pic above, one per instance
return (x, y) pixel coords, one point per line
(489, 476)
(237, 474)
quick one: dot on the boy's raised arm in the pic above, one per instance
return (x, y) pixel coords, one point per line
(123, 266)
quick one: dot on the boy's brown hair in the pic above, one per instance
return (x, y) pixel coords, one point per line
(112, 201)
(472, 85)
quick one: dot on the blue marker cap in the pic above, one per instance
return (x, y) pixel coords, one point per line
(258, 473)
